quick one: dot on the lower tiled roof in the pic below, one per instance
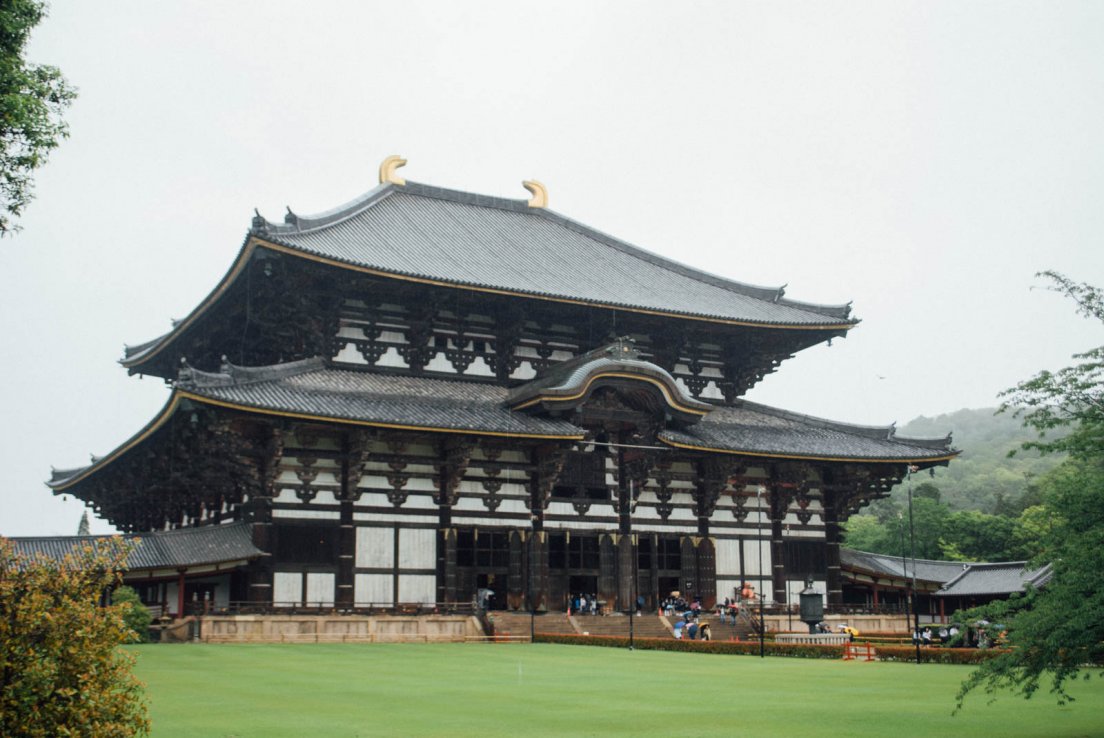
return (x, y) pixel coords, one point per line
(996, 579)
(210, 544)
(899, 567)
(760, 430)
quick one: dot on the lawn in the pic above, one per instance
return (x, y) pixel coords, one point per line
(273, 691)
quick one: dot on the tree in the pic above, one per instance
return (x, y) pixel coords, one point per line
(32, 99)
(1059, 629)
(61, 671)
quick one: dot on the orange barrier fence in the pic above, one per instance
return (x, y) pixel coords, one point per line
(852, 651)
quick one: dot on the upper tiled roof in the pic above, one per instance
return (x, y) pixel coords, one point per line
(996, 579)
(210, 544)
(460, 238)
(756, 429)
(902, 568)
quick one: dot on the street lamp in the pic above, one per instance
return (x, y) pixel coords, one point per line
(762, 625)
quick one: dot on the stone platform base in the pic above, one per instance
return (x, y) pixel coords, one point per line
(338, 628)
(820, 639)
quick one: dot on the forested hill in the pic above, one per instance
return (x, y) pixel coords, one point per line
(982, 477)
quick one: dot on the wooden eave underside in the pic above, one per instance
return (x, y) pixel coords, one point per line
(255, 242)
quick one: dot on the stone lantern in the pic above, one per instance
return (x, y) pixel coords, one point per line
(812, 606)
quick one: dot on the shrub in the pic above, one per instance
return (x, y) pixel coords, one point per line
(745, 648)
(61, 671)
(136, 615)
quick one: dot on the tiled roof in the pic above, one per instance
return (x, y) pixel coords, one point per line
(460, 238)
(760, 430)
(896, 566)
(996, 579)
(307, 387)
(210, 544)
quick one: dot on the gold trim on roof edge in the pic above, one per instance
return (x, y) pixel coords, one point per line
(622, 375)
(808, 457)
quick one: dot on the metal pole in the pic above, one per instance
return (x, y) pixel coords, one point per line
(762, 623)
(912, 546)
(632, 571)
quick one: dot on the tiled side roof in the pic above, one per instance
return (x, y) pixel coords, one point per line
(894, 566)
(996, 579)
(384, 399)
(209, 544)
(756, 429)
(460, 238)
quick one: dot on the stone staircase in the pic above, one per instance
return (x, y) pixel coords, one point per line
(644, 626)
(516, 624)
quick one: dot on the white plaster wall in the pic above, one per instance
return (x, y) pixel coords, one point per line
(728, 557)
(375, 547)
(320, 589)
(287, 587)
(421, 588)
(373, 589)
(417, 550)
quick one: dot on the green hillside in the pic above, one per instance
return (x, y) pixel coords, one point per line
(984, 477)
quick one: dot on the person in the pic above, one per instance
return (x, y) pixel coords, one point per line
(692, 629)
(678, 628)
(639, 603)
(927, 636)
(582, 604)
(916, 636)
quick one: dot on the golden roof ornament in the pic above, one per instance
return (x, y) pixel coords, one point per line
(387, 170)
(539, 193)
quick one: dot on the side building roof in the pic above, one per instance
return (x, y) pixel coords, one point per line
(996, 579)
(444, 237)
(183, 548)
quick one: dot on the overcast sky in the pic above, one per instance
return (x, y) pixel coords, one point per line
(923, 160)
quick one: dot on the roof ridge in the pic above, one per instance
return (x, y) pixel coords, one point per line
(879, 432)
(230, 375)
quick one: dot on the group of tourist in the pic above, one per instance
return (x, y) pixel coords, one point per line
(675, 603)
(583, 604)
(688, 626)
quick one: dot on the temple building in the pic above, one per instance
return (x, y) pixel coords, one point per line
(425, 393)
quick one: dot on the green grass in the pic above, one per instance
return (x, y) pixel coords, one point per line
(272, 691)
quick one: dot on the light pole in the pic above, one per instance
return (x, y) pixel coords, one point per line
(632, 569)
(762, 625)
(912, 547)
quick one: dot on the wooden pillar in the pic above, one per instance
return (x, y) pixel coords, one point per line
(707, 573)
(626, 570)
(875, 595)
(538, 571)
(446, 565)
(833, 575)
(778, 567)
(607, 570)
(689, 576)
(180, 593)
(346, 537)
(515, 577)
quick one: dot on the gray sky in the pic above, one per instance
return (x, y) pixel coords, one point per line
(921, 159)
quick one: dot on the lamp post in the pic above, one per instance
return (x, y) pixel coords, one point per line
(912, 551)
(632, 570)
(762, 624)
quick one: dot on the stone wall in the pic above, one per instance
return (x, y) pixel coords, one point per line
(338, 628)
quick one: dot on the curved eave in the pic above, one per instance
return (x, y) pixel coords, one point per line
(253, 242)
(487, 289)
(923, 460)
(184, 394)
(550, 397)
(156, 346)
(179, 395)
(150, 428)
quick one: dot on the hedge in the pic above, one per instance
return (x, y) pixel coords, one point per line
(793, 650)
(743, 648)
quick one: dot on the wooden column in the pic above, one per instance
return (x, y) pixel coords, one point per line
(607, 570)
(626, 570)
(778, 568)
(515, 577)
(346, 538)
(538, 571)
(833, 576)
(707, 573)
(446, 565)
